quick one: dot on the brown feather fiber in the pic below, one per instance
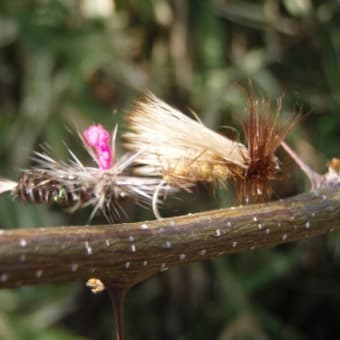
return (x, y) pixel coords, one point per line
(264, 132)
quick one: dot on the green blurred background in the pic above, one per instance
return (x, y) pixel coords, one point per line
(67, 64)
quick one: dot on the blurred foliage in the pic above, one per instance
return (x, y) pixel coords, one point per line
(67, 64)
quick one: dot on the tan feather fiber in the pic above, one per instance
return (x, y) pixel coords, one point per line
(177, 147)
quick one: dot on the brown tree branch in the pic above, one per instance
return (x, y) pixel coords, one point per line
(123, 254)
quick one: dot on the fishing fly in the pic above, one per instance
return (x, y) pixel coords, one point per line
(73, 185)
(168, 151)
(184, 152)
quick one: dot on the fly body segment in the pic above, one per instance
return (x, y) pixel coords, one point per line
(179, 149)
(73, 185)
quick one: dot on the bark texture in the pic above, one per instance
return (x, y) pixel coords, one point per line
(123, 254)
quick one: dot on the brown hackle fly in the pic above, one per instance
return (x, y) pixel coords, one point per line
(184, 152)
(73, 185)
(179, 149)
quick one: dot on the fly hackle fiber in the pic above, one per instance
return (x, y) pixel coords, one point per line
(264, 133)
(73, 185)
(179, 149)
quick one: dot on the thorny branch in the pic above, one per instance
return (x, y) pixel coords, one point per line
(124, 254)
(118, 256)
